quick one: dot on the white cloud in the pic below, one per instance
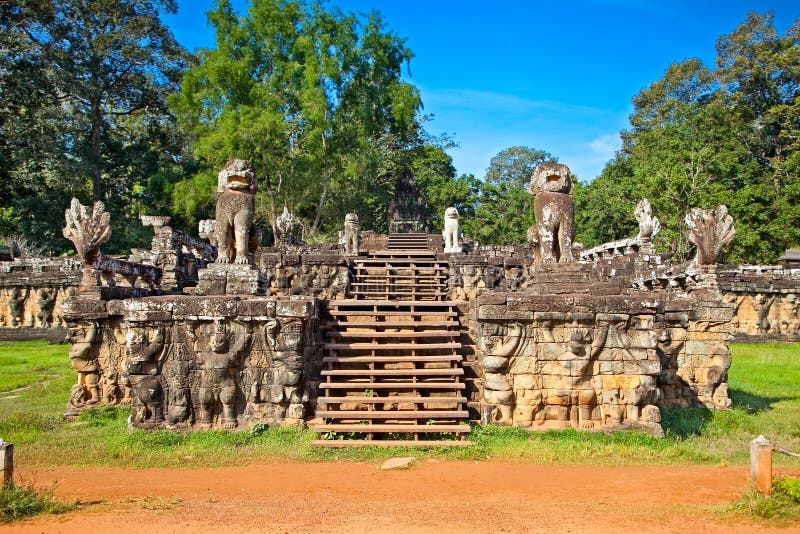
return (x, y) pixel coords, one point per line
(605, 145)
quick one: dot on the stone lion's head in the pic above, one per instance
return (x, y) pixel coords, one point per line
(351, 219)
(237, 175)
(552, 178)
(451, 213)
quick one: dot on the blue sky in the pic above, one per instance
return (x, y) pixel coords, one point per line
(554, 75)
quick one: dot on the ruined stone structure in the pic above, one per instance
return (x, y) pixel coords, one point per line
(388, 339)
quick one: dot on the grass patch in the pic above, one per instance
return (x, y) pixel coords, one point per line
(20, 500)
(27, 363)
(782, 508)
(763, 383)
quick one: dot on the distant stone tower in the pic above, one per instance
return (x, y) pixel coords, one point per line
(407, 211)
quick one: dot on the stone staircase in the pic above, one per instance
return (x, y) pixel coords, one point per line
(392, 372)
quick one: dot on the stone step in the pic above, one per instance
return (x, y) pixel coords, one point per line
(391, 303)
(385, 428)
(393, 313)
(394, 399)
(402, 334)
(390, 324)
(341, 443)
(378, 373)
(393, 385)
(392, 414)
(390, 346)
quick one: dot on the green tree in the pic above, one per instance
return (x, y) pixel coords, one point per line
(314, 98)
(702, 137)
(85, 82)
(505, 208)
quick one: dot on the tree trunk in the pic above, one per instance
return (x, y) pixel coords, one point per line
(96, 122)
(325, 180)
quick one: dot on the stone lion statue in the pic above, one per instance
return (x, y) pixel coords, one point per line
(235, 209)
(551, 183)
(351, 229)
(450, 232)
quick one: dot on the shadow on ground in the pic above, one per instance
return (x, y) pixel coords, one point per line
(685, 422)
(753, 403)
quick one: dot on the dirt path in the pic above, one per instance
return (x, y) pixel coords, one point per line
(431, 496)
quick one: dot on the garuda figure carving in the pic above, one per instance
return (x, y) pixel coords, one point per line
(143, 368)
(235, 209)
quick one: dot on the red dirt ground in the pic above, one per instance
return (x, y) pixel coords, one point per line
(431, 496)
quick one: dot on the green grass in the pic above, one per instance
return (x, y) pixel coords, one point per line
(763, 384)
(782, 508)
(20, 500)
(28, 363)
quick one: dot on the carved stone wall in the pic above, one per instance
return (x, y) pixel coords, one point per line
(197, 362)
(551, 361)
(32, 291)
(766, 299)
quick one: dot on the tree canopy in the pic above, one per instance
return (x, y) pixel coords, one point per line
(100, 102)
(314, 98)
(84, 85)
(704, 136)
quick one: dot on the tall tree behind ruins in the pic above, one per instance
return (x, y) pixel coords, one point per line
(84, 85)
(704, 136)
(314, 98)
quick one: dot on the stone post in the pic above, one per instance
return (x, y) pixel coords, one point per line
(7, 461)
(761, 465)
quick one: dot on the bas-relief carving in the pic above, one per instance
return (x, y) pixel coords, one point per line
(210, 372)
(98, 357)
(47, 303)
(219, 351)
(560, 371)
(16, 306)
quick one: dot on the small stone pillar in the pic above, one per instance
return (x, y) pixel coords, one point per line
(761, 465)
(6, 461)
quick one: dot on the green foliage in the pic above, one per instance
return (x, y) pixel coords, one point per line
(504, 206)
(313, 97)
(84, 86)
(21, 500)
(789, 486)
(782, 508)
(701, 137)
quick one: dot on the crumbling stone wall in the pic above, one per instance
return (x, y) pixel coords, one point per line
(32, 291)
